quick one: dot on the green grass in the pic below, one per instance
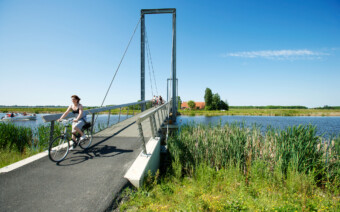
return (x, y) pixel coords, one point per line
(227, 190)
(61, 110)
(17, 143)
(8, 157)
(263, 112)
(232, 167)
(247, 110)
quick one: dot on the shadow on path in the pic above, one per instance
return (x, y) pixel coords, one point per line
(91, 153)
(95, 151)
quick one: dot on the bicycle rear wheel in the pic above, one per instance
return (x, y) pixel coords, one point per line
(58, 149)
(84, 144)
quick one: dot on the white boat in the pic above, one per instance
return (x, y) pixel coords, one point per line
(20, 117)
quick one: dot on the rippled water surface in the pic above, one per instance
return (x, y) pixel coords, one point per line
(327, 125)
(101, 120)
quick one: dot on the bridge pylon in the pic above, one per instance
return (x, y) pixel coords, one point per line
(173, 58)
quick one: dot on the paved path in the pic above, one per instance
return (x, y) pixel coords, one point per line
(87, 180)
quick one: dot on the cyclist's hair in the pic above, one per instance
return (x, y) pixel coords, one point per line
(76, 97)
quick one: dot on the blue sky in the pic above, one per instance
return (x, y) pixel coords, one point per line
(250, 52)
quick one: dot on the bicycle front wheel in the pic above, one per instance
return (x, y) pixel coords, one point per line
(58, 149)
(84, 144)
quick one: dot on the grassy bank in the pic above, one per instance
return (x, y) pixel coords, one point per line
(17, 143)
(232, 167)
(263, 112)
(61, 110)
(231, 112)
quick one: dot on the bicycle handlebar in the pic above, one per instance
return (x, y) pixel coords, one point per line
(67, 121)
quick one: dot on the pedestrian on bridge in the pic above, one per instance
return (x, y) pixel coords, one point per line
(80, 119)
(154, 100)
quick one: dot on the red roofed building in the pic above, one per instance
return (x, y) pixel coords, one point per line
(199, 105)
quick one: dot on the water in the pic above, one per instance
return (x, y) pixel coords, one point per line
(325, 125)
(101, 120)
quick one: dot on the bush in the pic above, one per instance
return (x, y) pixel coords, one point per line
(191, 104)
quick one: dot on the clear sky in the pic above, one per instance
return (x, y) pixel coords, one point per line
(282, 52)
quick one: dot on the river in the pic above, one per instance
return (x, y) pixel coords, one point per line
(325, 125)
(101, 120)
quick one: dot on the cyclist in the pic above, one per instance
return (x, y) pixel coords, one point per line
(80, 119)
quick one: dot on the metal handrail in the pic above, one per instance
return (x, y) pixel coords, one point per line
(52, 118)
(151, 116)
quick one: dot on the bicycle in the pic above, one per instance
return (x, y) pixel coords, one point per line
(60, 146)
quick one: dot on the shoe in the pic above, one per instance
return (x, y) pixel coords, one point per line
(74, 145)
(82, 138)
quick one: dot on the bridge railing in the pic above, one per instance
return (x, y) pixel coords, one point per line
(54, 117)
(162, 112)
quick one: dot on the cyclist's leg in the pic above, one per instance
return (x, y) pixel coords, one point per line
(74, 132)
(78, 126)
(77, 130)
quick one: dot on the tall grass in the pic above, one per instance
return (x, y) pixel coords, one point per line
(18, 142)
(236, 145)
(264, 112)
(233, 168)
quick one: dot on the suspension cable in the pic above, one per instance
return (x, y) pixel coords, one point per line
(121, 60)
(148, 59)
(114, 76)
(148, 50)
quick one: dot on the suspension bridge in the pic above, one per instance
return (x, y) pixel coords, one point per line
(120, 155)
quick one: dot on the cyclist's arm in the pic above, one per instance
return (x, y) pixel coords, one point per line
(80, 113)
(66, 113)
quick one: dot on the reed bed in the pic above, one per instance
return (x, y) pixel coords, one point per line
(235, 144)
(17, 143)
(262, 112)
(235, 168)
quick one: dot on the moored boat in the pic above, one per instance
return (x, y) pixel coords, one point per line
(19, 117)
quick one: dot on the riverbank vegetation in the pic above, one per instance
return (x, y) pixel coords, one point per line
(45, 110)
(233, 110)
(232, 167)
(17, 143)
(62, 110)
(262, 112)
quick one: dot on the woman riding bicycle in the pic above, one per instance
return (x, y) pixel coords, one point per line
(80, 119)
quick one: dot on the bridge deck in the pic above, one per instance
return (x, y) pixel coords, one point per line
(87, 180)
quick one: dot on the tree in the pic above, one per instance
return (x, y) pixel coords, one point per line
(191, 104)
(208, 96)
(226, 105)
(179, 102)
(215, 102)
(223, 105)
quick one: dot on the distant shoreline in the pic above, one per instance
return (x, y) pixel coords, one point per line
(55, 110)
(264, 112)
(231, 112)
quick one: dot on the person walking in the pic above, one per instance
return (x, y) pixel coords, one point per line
(160, 100)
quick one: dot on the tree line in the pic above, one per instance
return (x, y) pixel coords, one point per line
(214, 102)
